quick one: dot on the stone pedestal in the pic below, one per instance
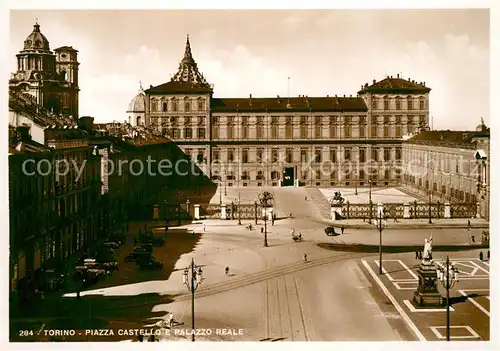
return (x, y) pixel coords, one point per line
(280, 182)
(296, 183)
(223, 212)
(406, 210)
(447, 210)
(196, 212)
(427, 294)
(155, 212)
(478, 210)
(336, 212)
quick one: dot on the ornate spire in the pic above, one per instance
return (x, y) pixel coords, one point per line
(141, 90)
(188, 69)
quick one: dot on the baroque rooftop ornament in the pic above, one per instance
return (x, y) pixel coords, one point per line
(188, 69)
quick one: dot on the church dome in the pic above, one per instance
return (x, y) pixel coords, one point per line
(36, 40)
(138, 103)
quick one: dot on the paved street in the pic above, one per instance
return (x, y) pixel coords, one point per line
(270, 293)
(470, 297)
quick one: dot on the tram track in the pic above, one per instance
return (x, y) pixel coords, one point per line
(253, 278)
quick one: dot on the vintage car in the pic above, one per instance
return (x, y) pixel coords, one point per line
(149, 263)
(330, 231)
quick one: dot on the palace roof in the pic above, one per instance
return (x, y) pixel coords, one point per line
(396, 85)
(294, 104)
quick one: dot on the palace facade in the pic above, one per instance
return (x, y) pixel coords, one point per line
(271, 141)
(450, 166)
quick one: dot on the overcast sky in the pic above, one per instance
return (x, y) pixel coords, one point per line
(253, 52)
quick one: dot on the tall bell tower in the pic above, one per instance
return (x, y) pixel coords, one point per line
(67, 70)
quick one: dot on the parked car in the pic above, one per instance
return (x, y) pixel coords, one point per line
(330, 231)
(150, 263)
(110, 244)
(147, 247)
(135, 255)
(118, 238)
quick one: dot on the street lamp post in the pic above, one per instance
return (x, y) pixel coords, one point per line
(430, 207)
(448, 276)
(265, 200)
(355, 183)
(370, 198)
(239, 208)
(379, 225)
(225, 184)
(256, 217)
(265, 228)
(187, 208)
(192, 278)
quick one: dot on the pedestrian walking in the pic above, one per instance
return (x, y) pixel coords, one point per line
(261, 230)
(204, 227)
(305, 257)
(473, 238)
(468, 223)
(480, 255)
(488, 255)
(227, 270)
(416, 255)
(305, 198)
(342, 229)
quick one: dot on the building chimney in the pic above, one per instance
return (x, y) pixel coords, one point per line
(374, 81)
(398, 75)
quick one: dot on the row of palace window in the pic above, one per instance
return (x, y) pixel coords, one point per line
(317, 174)
(319, 120)
(174, 105)
(453, 192)
(304, 157)
(289, 119)
(189, 133)
(410, 103)
(162, 120)
(333, 131)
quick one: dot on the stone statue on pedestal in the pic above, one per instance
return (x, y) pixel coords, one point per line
(427, 255)
(427, 294)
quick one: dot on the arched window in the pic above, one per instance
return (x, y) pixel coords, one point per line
(201, 104)
(410, 102)
(421, 103)
(154, 105)
(398, 103)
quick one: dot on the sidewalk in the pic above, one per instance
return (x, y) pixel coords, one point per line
(420, 223)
